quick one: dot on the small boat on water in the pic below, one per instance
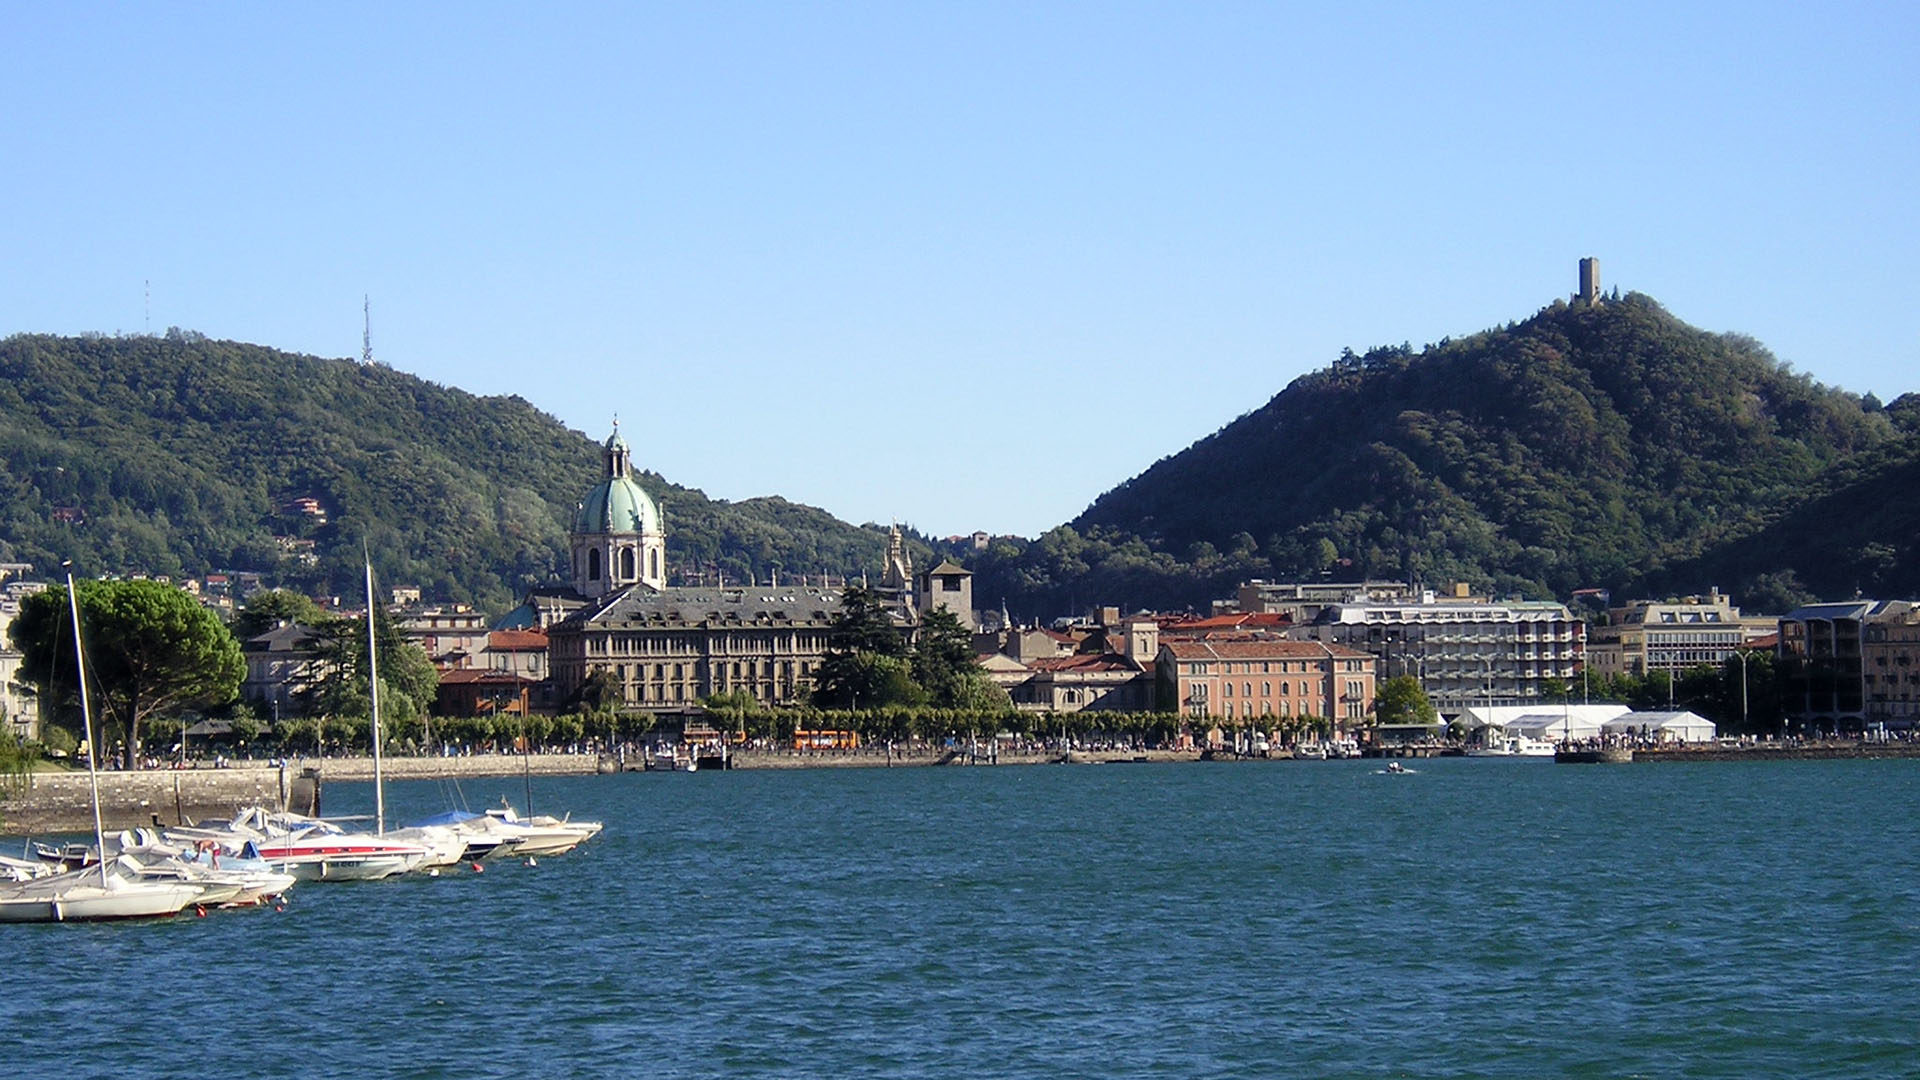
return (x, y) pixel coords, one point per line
(1514, 746)
(231, 878)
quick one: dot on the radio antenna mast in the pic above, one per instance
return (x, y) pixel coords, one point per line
(366, 334)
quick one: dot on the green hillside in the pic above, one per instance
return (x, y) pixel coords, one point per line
(1600, 445)
(179, 455)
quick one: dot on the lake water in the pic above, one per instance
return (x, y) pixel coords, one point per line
(1476, 918)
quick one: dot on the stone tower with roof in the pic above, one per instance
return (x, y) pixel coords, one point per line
(949, 586)
(618, 539)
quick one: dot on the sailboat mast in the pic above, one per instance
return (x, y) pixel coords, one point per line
(86, 722)
(373, 715)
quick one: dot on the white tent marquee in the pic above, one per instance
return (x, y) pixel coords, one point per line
(1664, 726)
(1555, 726)
(1504, 716)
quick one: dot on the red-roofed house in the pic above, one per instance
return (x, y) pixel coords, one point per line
(474, 692)
(1250, 680)
(518, 652)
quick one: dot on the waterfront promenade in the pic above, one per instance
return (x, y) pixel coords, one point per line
(57, 801)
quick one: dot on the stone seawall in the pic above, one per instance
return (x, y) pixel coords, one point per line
(1782, 752)
(444, 768)
(59, 802)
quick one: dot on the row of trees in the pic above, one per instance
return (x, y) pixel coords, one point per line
(154, 654)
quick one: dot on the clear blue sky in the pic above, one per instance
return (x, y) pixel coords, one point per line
(965, 265)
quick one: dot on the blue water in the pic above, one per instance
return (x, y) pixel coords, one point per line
(1478, 918)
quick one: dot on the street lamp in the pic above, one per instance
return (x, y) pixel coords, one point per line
(1741, 655)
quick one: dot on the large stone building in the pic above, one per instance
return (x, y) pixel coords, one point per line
(1673, 635)
(1267, 681)
(1890, 659)
(283, 667)
(666, 647)
(1464, 652)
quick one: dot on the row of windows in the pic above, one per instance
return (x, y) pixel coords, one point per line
(1266, 689)
(1271, 667)
(738, 669)
(1245, 709)
(1730, 638)
(700, 644)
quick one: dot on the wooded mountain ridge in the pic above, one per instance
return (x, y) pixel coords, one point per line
(180, 455)
(1603, 444)
(1592, 445)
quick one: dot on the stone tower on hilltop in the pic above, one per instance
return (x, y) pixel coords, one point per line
(1589, 281)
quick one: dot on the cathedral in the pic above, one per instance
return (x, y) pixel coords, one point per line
(669, 646)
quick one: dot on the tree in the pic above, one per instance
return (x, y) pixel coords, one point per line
(269, 608)
(865, 680)
(1402, 700)
(732, 706)
(16, 761)
(866, 663)
(408, 680)
(599, 693)
(152, 651)
(865, 625)
(943, 658)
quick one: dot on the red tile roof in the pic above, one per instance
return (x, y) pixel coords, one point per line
(1255, 620)
(473, 676)
(1260, 650)
(502, 640)
(1082, 662)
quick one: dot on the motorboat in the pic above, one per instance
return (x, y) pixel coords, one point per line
(480, 837)
(543, 834)
(325, 853)
(311, 849)
(445, 847)
(12, 869)
(229, 878)
(1310, 752)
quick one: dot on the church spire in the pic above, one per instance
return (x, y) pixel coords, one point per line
(898, 574)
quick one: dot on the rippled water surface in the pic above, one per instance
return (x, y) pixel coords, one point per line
(1478, 918)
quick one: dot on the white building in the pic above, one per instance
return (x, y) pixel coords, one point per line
(1464, 652)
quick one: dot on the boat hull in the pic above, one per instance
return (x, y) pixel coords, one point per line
(91, 903)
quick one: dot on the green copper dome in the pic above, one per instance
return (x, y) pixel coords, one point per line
(617, 504)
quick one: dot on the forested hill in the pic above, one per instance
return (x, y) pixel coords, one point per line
(180, 455)
(1600, 445)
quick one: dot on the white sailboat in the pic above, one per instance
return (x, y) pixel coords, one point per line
(112, 888)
